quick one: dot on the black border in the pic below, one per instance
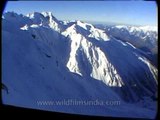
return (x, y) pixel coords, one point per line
(11, 111)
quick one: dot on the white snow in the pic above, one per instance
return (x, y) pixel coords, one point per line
(24, 27)
(81, 24)
(42, 62)
(131, 45)
(149, 28)
(98, 34)
(139, 36)
(34, 26)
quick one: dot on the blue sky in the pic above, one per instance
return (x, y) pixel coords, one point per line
(120, 12)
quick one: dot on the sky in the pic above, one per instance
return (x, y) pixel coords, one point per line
(119, 12)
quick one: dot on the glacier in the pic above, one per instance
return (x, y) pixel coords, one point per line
(45, 59)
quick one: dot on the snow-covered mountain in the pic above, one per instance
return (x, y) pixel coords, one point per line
(142, 37)
(45, 59)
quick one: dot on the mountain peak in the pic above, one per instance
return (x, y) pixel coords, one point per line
(45, 13)
(34, 14)
(38, 14)
(81, 24)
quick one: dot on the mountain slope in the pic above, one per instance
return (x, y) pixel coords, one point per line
(144, 38)
(44, 59)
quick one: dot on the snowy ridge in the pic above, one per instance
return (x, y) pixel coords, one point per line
(98, 62)
(142, 36)
(45, 18)
(138, 28)
(73, 59)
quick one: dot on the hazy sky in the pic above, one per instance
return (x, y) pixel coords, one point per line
(124, 12)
